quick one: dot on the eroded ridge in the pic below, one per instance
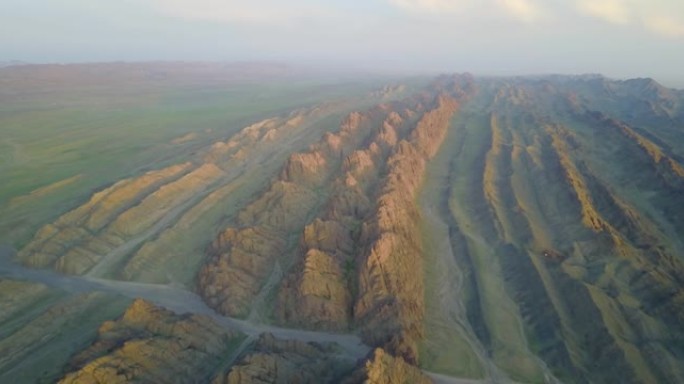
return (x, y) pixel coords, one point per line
(560, 205)
(151, 344)
(103, 235)
(334, 240)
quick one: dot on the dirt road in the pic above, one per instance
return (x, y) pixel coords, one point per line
(183, 301)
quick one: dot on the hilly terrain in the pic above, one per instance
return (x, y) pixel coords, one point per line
(274, 227)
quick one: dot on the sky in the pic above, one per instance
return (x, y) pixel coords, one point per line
(618, 38)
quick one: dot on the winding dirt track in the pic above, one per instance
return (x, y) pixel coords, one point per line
(183, 301)
(172, 298)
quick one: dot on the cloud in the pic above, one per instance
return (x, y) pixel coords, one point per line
(430, 6)
(664, 18)
(612, 11)
(523, 10)
(665, 26)
(236, 11)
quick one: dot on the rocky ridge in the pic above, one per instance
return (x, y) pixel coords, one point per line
(115, 220)
(150, 344)
(343, 216)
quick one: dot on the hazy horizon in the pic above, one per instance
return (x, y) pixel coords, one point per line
(617, 38)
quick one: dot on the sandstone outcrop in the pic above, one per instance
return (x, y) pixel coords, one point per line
(150, 344)
(132, 210)
(237, 270)
(383, 368)
(81, 238)
(285, 361)
(350, 200)
(389, 306)
(77, 231)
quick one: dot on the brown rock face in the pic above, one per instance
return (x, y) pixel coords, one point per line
(350, 202)
(318, 295)
(307, 168)
(94, 237)
(285, 361)
(151, 345)
(75, 240)
(375, 262)
(242, 261)
(318, 291)
(238, 267)
(383, 368)
(389, 305)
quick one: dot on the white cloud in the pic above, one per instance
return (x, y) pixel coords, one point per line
(664, 18)
(665, 26)
(430, 6)
(661, 17)
(523, 10)
(236, 11)
(612, 11)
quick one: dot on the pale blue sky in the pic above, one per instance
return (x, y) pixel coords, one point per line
(621, 38)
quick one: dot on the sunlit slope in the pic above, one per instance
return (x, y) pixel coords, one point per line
(564, 209)
(70, 130)
(334, 242)
(117, 229)
(151, 344)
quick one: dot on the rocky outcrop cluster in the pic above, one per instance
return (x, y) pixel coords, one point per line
(149, 344)
(383, 368)
(273, 360)
(390, 300)
(76, 241)
(109, 226)
(243, 256)
(342, 216)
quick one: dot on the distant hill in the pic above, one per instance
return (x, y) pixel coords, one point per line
(120, 73)
(11, 63)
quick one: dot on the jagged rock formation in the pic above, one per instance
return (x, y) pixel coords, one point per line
(243, 257)
(150, 344)
(382, 368)
(390, 303)
(273, 360)
(344, 216)
(105, 231)
(71, 236)
(560, 202)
